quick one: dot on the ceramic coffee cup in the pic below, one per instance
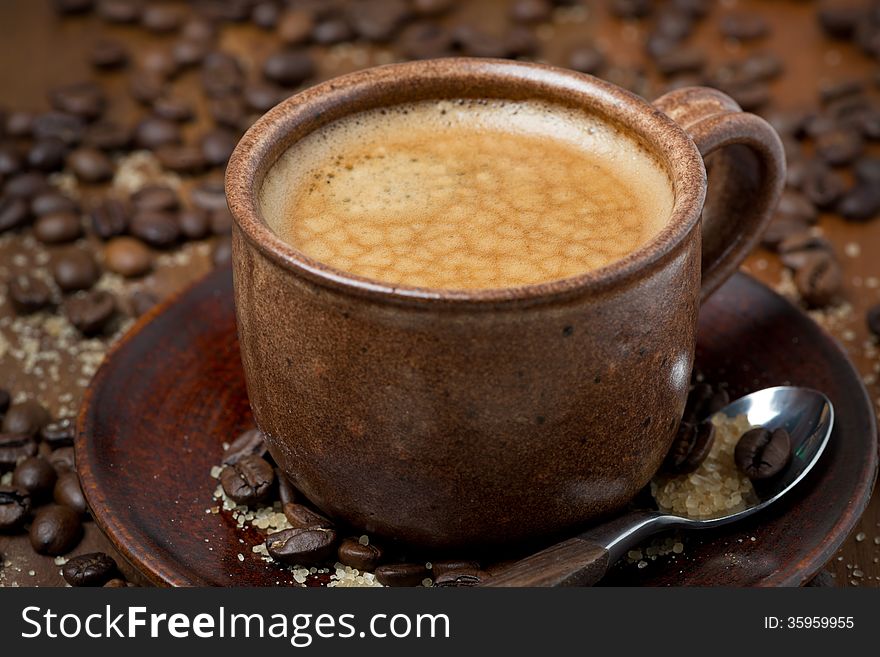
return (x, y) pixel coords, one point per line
(453, 418)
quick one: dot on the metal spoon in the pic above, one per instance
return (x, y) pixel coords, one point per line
(806, 414)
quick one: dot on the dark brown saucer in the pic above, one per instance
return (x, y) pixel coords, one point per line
(172, 391)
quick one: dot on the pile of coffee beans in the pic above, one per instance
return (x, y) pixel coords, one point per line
(250, 478)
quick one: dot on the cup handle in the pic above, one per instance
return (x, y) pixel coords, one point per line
(745, 162)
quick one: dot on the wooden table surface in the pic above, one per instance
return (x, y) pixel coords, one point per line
(38, 50)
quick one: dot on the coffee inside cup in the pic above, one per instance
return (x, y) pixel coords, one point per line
(467, 194)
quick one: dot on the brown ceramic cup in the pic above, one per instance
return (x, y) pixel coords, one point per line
(453, 418)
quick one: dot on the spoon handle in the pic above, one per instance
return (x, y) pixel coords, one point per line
(584, 559)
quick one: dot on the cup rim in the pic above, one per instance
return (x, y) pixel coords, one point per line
(273, 133)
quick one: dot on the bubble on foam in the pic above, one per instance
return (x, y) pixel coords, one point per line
(465, 194)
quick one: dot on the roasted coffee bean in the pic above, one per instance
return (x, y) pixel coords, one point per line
(265, 15)
(221, 254)
(861, 202)
(19, 124)
(51, 201)
(425, 40)
(228, 111)
(797, 206)
(75, 269)
(332, 30)
(289, 68)
(181, 158)
(68, 492)
(630, 8)
(108, 54)
(59, 433)
(286, 492)
(822, 185)
(108, 135)
(867, 170)
(153, 132)
(249, 443)
(295, 26)
(15, 504)
(217, 145)
(28, 294)
(690, 447)
(681, 60)
(872, 318)
(15, 447)
(5, 400)
(377, 20)
(432, 7)
(156, 228)
(142, 301)
(461, 578)
(818, 279)
(476, 42)
(25, 186)
(796, 249)
(743, 26)
(63, 460)
(761, 453)
(47, 154)
(248, 480)
(55, 530)
(161, 18)
(839, 147)
(146, 86)
(90, 165)
(222, 74)
(90, 312)
(156, 198)
(92, 569)
(58, 228)
(116, 583)
(839, 20)
(70, 7)
(203, 28)
(261, 97)
(110, 218)
(363, 557)
(195, 224)
(531, 11)
(26, 417)
(120, 11)
(11, 160)
(36, 476)
(402, 574)
(173, 108)
(303, 546)
(83, 99)
(190, 52)
(440, 568)
(13, 213)
(128, 257)
(303, 517)
(66, 127)
(209, 195)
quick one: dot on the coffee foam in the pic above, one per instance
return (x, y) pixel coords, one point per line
(467, 194)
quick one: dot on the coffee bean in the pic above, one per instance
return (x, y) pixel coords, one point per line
(153, 132)
(173, 108)
(194, 224)
(108, 54)
(209, 195)
(11, 161)
(222, 74)
(530, 11)
(630, 8)
(332, 30)
(295, 26)
(303, 546)
(142, 301)
(90, 312)
(26, 417)
(68, 492)
(861, 202)
(19, 124)
(796, 249)
(839, 21)
(82, 99)
(15, 447)
(90, 165)
(47, 154)
(476, 42)
(248, 480)
(159, 61)
(161, 18)
(146, 87)
(261, 97)
(75, 269)
(425, 40)
(184, 159)
(797, 206)
(440, 568)
(108, 136)
(461, 578)
(63, 460)
(116, 583)
(120, 11)
(377, 20)
(15, 505)
(286, 492)
(50, 202)
(128, 257)
(35, 476)
(303, 517)
(55, 530)
(818, 279)
(66, 127)
(363, 557)
(25, 186)
(760, 453)
(190, 52)
(822, 185)
(28, 294)
(690, 448)
(59, 433)
(92, 569)
(221, 254)
(265, 15)
(681, 60)
(228, 111)
(402, 574)
(217, 145)
(248, 443)
(110, 218)
(743, 26)
(156, 228)
(5, 400)
(13, 213)
(289, 68)
(432, 7)
(840, 147)
(867, 170)
(156, 198)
